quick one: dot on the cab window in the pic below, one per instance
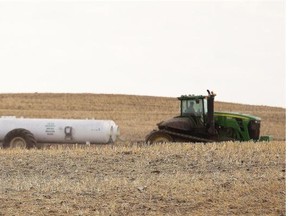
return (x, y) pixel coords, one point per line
(205, 106)
(192, 107)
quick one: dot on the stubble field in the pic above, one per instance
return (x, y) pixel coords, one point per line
(134, 179)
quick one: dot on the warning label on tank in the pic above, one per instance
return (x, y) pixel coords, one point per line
(50, 128)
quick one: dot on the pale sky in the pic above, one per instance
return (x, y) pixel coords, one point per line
(158, 48)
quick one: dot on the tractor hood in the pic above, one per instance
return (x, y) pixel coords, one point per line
(177, 123)
(236, 115)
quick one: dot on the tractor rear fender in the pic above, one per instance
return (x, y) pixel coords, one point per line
(178, 123)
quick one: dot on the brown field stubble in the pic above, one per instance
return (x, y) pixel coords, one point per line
(125, 179)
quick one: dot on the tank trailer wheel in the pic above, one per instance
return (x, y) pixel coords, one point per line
(20, 138)
(158, 137)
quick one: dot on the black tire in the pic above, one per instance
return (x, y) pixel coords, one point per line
(19, 136)
(158, 137)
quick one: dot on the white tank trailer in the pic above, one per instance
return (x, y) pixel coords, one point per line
(30, 132)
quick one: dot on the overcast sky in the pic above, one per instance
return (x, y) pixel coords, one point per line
(158, 48)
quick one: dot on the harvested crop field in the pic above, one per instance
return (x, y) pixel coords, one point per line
(129, 178)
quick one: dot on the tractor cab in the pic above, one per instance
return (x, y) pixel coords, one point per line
(200, 109)
(194, 107)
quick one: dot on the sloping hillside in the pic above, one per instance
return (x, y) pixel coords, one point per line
(136, 115)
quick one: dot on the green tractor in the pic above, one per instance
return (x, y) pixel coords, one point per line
(199, 123)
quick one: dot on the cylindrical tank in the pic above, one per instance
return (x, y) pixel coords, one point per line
(63, 130)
